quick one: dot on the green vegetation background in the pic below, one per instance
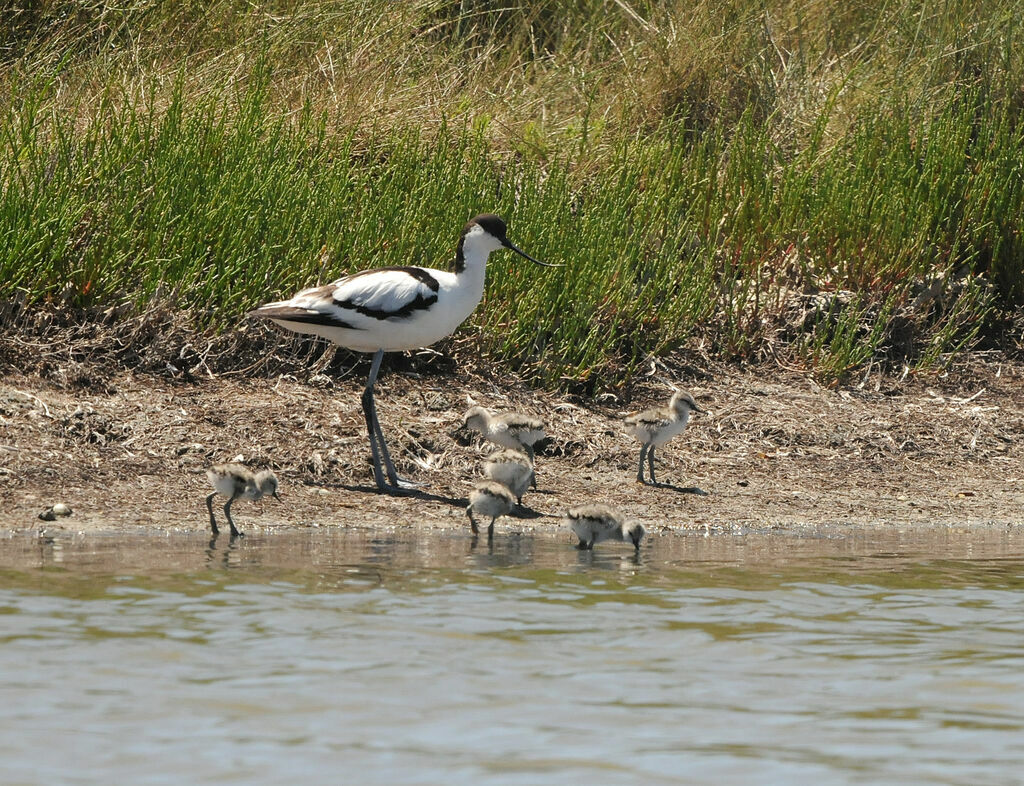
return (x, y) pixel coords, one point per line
(826, 184)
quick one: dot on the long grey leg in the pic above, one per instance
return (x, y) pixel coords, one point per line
(650, 464)
(378, 447)
(372, 427)
(640, 469)
(209, 507)
(227, 512)
(490, 530)
(472, 522)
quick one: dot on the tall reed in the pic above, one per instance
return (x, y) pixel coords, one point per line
(821, 184)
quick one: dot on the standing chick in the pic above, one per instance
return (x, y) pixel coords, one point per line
(596, 523)
(654, 427)
(488, 499)
(236, 482)
(511, 468)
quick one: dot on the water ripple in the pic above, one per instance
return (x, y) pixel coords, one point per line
(415, 659)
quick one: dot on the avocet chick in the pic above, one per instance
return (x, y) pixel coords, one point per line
(488, 498)
(596, 523)
(654, 427)
(508, 429)
(513, 469)
(236, 482)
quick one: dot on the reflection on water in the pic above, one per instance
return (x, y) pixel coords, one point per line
(325, 657)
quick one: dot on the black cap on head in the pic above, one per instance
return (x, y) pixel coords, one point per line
(492, 224)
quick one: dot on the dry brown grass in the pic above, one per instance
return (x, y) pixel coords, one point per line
(535, 75)
(125, 438)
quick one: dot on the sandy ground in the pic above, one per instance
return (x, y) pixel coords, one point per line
(127, 451)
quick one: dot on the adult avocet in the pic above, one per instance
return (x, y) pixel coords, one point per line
(392, 309)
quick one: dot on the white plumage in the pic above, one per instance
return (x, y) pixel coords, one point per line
(393, 309)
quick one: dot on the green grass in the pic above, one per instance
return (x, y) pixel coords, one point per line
(771, 179)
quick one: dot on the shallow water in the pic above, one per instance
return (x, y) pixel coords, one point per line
(841, 656)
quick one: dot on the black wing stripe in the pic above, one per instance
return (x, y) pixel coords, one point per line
(302, 317)
(418, 273)
(419, 303)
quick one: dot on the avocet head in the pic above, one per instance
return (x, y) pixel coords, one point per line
(266, 482)
(486, 233)
(477, 418)
(682, 402)
(636, 534)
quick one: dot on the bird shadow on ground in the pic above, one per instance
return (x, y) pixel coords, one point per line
(696, 490)
(541, 493)
(526, 512)
(457, 502)
(519, 511)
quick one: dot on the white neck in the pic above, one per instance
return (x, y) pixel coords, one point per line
(475, 247)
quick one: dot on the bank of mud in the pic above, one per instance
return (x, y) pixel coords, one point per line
(127, 450)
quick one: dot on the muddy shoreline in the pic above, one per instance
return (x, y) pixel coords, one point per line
(127, 451)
